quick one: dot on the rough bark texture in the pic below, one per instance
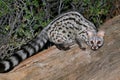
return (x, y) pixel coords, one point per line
(74, 64)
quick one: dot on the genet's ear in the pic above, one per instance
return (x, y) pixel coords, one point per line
(101, 33)
(90, 33)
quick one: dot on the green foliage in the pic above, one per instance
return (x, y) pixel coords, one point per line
(33, 15)
(96, 9)
(3, 8)
(32, 2)
(19, 20)
(32, 20)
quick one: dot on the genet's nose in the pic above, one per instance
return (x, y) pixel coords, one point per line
(94, 47)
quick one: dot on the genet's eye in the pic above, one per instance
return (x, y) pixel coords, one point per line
(91, 42)
(98, 42)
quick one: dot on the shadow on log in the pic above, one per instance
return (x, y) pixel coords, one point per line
(74, 64)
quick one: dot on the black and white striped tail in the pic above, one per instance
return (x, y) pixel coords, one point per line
(26, 51)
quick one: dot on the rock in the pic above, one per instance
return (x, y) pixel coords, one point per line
(74, 64)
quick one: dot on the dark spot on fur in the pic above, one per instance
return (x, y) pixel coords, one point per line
(63, 31)
(68, 23)
(68, 35)
(70, 32)
(58, 40)
(52, 34)
(60, 28)
(63, 26)
(71, 27)
(76, 28)
(67, 28)
(65, 23)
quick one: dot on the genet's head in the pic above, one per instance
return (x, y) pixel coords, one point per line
(96, 40)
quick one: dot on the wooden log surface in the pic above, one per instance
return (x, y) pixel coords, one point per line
(74, 64)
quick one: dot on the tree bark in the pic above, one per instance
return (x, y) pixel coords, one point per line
(74, 64)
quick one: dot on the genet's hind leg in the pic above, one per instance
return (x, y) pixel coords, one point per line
(64, 45)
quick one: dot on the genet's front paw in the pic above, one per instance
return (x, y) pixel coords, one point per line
(83, 48)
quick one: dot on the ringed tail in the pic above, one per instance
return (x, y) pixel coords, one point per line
(26, 51)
